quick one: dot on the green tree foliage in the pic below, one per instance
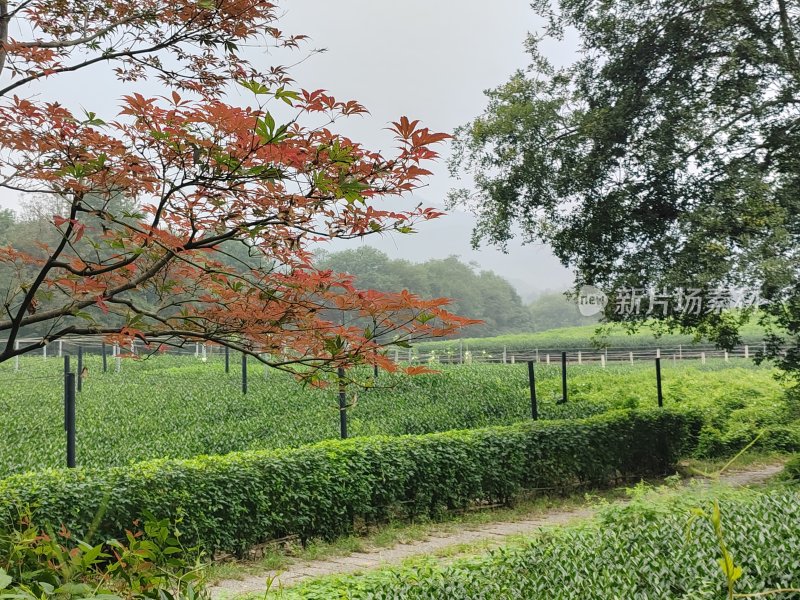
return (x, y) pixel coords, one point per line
(6, 223)
(553, 310)
(475, 294)
(666, 156)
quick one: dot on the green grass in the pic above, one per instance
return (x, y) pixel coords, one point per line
(181, 407)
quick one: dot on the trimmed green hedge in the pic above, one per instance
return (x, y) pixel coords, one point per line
(231, 502)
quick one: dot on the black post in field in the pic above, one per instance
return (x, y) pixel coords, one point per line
(244, 373)
(375, 371)
(342, 405)
(658, 383)
(80, 368)
(69, 402)
(532, 383)
(66, 372)
(227, 359)
(563, 378)
(105, 358)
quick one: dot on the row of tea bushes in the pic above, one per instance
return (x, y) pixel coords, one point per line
(231, 502)
(638, 552)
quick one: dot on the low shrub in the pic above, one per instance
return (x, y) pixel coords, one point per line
(791, 470)
(633, 552)
(229, 503)
(713, 443)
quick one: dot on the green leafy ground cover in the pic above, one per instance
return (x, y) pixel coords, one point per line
(180, 407)
(654, 548)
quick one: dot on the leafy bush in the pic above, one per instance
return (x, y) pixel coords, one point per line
(791, 470)
(713, 443)
(152, 563)
(633, 552)
(232, 502)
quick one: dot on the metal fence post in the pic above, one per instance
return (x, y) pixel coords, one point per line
(532, 383)
(80, 368)
(563, 377)
(105, 358)
(658, 383)
(66, 387)
(244, 373)
(227, 359)
(69, 403)
(342, 405)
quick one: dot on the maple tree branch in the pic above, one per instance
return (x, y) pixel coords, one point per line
(82, 40)
(76, 67)
(28, 300)
(4, 20)
(70, 309)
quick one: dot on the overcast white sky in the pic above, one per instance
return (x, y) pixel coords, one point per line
(429, 60)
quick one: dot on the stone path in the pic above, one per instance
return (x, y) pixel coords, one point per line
(490, 534)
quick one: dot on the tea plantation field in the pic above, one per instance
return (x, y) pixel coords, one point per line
(181, 407)
(574, 338)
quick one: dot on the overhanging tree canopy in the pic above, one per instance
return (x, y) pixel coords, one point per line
(154, 196)
(667, 156)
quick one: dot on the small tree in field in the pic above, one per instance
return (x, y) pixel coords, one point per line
(187, 217)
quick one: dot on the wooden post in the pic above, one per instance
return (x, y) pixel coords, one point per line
(703, 357)
(504, 355)
(16, 358)
(658, 352)
(512, 359)
(603, 360)
(60, 348)
(630, 355)
(747, 351)
(547, 357)
(580, 358)
(726, 356)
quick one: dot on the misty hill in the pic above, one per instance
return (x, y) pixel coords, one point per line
(475, 293)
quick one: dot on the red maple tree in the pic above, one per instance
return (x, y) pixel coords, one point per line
(161, 200)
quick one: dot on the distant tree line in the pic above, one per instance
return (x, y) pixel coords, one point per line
(476, 293)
